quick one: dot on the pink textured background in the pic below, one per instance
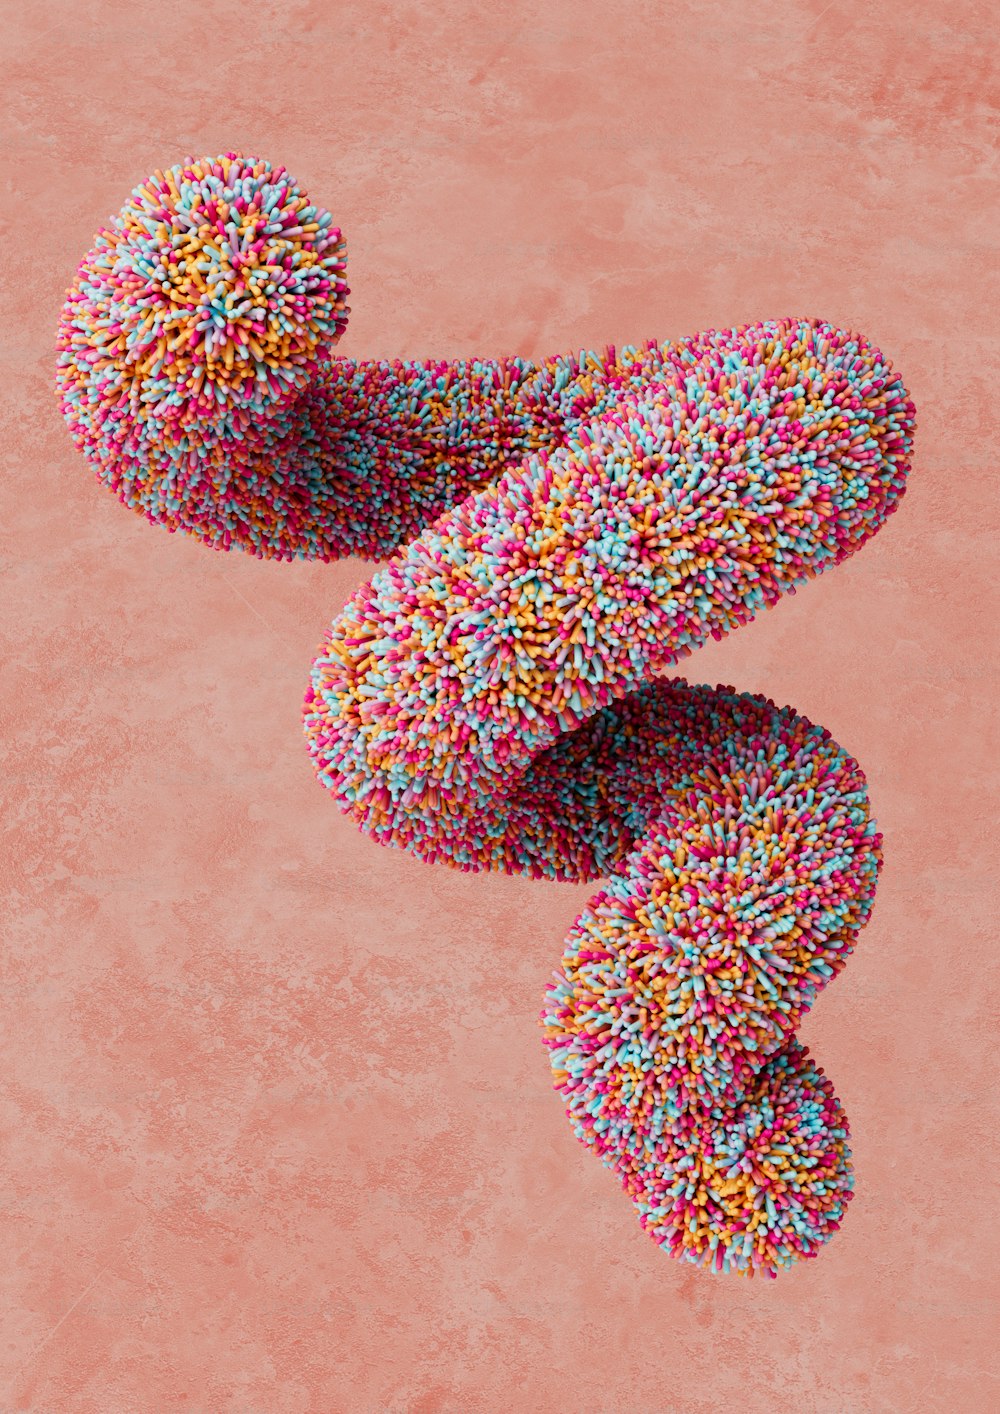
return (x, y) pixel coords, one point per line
(276, 1118)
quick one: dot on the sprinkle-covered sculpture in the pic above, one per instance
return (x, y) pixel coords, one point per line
(560, 534)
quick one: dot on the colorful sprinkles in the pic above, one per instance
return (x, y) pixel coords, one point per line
(561, 534)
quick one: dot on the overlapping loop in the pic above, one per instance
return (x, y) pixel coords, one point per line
(560, 534)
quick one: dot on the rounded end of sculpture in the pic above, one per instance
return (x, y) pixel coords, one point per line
(193, 326)
(758, 1190)
(213, 292)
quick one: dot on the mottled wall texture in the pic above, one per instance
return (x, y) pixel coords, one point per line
(277, 1126)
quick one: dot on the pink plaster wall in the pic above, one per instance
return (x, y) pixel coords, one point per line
(277, 1131)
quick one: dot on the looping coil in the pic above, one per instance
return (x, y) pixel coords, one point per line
(560, 533)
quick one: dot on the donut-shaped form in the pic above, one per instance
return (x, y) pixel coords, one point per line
(493, 697)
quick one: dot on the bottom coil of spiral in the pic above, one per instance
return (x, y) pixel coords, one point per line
(670, 1022)
(743, 863)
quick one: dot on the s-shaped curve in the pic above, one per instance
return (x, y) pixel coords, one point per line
(560, 533)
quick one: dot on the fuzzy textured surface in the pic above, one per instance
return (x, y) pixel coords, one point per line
(563, 533)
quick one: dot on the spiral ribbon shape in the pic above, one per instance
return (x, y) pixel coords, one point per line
(559, 534)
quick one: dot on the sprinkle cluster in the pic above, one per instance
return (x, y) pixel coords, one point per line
(190, 330)
(563, 532)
